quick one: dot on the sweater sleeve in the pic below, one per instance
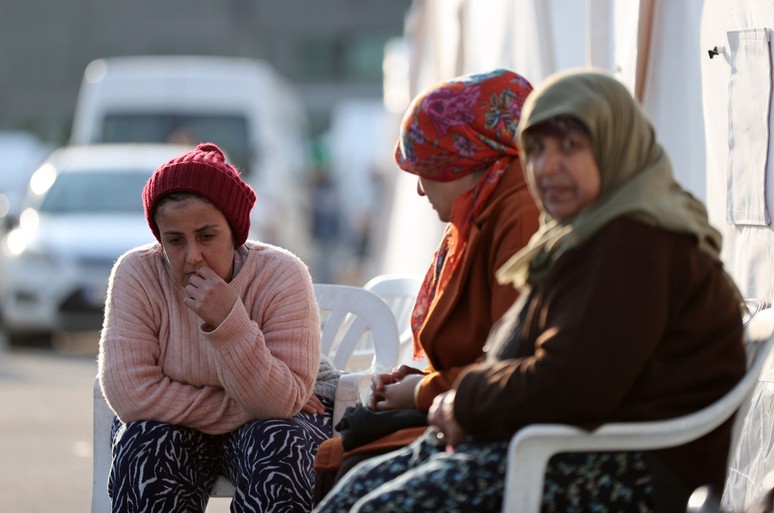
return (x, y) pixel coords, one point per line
(132, 380)
(268, 357)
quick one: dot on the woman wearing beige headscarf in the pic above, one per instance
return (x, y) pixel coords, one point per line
(626, 314)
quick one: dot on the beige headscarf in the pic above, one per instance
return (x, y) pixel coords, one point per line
(636, 176)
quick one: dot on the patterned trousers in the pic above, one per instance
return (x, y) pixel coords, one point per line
(426, 477)
(163, 468)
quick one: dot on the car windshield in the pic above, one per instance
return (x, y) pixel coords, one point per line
(79, 192)
(227, 131)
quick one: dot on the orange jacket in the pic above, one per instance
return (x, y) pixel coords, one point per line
(456, 328)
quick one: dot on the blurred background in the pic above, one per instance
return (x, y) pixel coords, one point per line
(310, 130)
(305, 96)
(327, 55)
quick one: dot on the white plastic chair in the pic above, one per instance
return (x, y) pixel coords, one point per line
(750, 472)
(531, 447)
(349, 315)
(400, 291)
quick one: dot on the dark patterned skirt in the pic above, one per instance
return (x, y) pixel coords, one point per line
(425, 476)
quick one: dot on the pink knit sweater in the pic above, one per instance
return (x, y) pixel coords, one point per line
(155, 363)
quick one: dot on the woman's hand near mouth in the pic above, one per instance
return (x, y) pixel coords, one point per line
(209, 297)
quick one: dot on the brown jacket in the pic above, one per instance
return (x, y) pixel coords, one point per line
(457, 327)
(637, 324)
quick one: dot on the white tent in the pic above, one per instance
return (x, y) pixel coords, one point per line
(656, 56)
(661, 50)
(702, 69)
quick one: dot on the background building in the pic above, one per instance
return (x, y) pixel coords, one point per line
(330, 49)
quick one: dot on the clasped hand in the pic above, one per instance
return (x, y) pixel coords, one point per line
(210, 297)
(441, 416)
(395, 389)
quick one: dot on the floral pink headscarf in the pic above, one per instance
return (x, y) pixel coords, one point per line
(452, 129)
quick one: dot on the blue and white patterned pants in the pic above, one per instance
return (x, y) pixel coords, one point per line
(425, 477)
(162, 468)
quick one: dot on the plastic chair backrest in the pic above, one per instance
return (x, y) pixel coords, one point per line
(354, 318)
(349, 315)
(399, 291)
(532, 447)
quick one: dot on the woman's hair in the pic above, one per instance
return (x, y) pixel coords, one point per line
(559, 126)
(175, 197)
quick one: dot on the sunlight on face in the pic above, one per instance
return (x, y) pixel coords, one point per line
(194, 233)
(564, 170)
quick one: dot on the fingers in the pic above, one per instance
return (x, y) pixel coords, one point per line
(379, 381)
(314, 405)
(377, 387)
(404, 370)
(205, 272)
(381, 403)
(388, 399)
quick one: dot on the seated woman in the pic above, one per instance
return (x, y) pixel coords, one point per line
(209, 352)
(459, 138)
(626, 315)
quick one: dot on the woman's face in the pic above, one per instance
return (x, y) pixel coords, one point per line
(442, 195)
(194, 233)
(564, 171)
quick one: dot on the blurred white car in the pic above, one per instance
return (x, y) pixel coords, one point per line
(82, 211)
(22, 153)
(243, 105)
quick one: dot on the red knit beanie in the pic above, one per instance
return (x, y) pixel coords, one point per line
(202, 171)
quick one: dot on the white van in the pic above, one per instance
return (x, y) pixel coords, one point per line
(241, 104)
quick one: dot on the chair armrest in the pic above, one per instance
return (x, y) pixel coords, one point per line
(528, 457)
(532, 446)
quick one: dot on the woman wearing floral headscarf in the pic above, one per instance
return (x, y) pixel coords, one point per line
(459, 138)
(626, 314)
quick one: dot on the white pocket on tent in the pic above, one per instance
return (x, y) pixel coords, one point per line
(749, 95)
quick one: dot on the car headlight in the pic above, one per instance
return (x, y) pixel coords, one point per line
(18, 239)
(18, 248)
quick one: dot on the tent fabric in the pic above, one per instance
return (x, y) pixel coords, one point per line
(749, 89)
(741, 152)
(736, 93)
(538, 37)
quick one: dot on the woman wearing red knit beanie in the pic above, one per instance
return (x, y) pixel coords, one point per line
(209, 353)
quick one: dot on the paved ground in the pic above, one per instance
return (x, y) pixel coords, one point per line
(45, 428)
(45, 431)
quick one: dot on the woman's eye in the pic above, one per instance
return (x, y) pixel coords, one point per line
(174, 241)
(575, 140)
(531, 147)
(569, 143)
